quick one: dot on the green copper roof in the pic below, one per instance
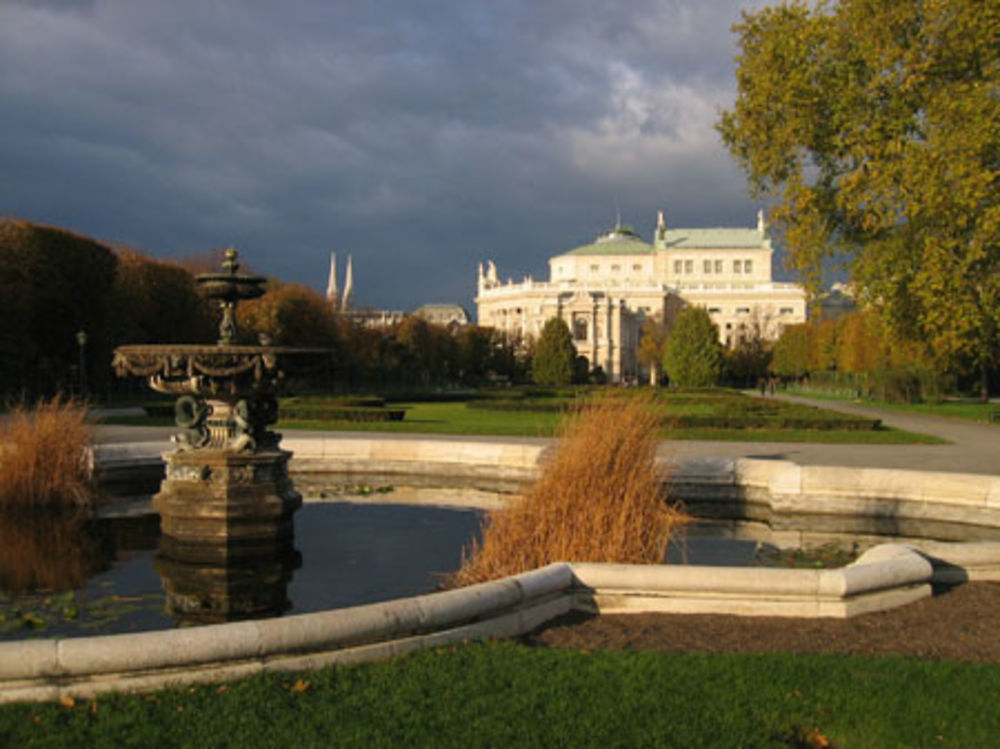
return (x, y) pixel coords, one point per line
(690, 239)
(619, 241)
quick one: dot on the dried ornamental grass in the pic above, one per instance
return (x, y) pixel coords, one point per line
(600, 499)
(44, 457)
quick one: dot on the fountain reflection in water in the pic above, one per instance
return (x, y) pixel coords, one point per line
(226, 503)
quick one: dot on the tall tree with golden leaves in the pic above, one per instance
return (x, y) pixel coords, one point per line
(877, 125)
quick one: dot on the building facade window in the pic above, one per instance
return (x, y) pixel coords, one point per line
(742, 310)
(689, 266)
(737, 266)
(615, 268)
(718, 266)
(677, 267)
(748, 266)
(786, 311)
(707, 266)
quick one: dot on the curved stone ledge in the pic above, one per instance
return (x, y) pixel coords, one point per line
(760, 487)
(884, 577)
(88, 665)
(887, 576)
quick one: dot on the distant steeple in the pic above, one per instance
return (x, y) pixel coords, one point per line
(761, 222)
(345, 302)
(661, 225)
(332, 292)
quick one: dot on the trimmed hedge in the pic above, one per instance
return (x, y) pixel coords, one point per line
(308, 412)
(423, 397)
(323, 413)
(764, 421)
(521, 406)
(729, 412)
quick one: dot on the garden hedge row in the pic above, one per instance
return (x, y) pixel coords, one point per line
(763, 421)
(319, 413)
(306, 412)
(521, 406)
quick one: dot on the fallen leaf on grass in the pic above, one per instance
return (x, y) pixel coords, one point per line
(300, 686)
(67, 702)
(817, 740)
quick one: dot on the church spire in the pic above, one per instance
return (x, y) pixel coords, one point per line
(332, 292)
(348, 298)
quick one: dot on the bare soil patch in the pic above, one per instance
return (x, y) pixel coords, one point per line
(959, 623)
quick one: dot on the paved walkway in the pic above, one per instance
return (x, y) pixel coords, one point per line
(974, 448)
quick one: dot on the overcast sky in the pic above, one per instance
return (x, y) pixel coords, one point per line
(420, 136)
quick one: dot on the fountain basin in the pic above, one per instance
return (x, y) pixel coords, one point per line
(887, 575)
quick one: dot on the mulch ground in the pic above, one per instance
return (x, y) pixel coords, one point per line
(962, 623)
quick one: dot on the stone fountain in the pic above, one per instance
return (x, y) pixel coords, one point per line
(226, 502)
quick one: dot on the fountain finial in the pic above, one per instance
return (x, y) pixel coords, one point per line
(229, 287)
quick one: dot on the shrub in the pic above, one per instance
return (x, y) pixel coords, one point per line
(44, 457)
(600, 499)
(694, 357)
(555, 353)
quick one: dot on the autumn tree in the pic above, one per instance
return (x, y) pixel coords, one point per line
(876, 123)
(750, 356)
(158, 302)
(53, 283)
(822, 342)
(693, 356)
(289, 314)
(652, 346)
(791, 351)
(555, 353)
(859, 347)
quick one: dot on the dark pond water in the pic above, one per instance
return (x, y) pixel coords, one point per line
(105, 577)
(73, 576)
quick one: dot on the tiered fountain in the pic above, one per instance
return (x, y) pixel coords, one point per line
(226, 502)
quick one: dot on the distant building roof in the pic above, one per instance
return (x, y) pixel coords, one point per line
(621, 240)
(443, 314)
(690, 239)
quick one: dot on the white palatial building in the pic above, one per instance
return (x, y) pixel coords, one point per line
(606, 290)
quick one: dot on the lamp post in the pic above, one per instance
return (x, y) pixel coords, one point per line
(81, 342)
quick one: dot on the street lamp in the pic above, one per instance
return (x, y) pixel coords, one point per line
(81, 342)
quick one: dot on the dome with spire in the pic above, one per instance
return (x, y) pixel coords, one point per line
(621, 240)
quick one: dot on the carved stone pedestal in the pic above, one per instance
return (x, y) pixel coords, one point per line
(217, 505)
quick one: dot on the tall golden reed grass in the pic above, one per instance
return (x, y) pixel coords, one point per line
(44, 459)
(600, 499)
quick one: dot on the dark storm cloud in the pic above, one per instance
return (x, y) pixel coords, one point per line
(420, 136)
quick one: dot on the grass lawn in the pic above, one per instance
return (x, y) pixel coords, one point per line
(504, 694)
(965, 409)
(456, 418)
